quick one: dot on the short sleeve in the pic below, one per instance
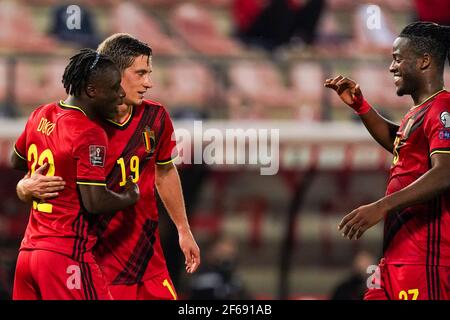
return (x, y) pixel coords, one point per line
(167, 147)
(90, 151)
(437, 127)
(21, 145)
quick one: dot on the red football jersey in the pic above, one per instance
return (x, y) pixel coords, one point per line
(420, 234)
(129, 248)
(75, 148)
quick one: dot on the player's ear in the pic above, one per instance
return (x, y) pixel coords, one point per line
(425, 61)
(90, 91)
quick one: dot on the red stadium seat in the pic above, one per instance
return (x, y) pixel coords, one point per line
(307, 82)
(373, 35)
(38, 83)
(128, 18)
(3, 77)
(258, 87)
(189, 83)
(18, 33)
(198, 29)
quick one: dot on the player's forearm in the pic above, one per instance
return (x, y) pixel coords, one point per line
(101, 200)
(381, 129)
(170, 191)
(431, 184)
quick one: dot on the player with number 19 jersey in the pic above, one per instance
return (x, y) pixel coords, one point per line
(129, 249)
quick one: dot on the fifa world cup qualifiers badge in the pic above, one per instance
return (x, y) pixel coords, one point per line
(445, 120)
(97, 155)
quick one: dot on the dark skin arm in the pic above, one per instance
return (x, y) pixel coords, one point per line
(99, 199)
(428, 186)
(96, 199)
(381, 129)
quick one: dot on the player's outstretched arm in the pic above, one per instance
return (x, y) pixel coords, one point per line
(169, 188)
(381, 129)
(99, 199)
(431, 184)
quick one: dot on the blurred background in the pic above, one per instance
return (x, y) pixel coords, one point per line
(234, 63)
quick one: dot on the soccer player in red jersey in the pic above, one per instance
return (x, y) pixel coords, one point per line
(55, 259)
(129, 250)
(416, 208)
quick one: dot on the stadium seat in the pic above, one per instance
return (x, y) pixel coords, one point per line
(18, 33)
(371, 36)
(307, 82)
(127, 17)
(3, 77)
(198, 29)
(38, 83)
(189, 84)
(258, 86)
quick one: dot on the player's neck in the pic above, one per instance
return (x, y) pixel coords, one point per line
(79, 103)
(427, 90)
(123, 112)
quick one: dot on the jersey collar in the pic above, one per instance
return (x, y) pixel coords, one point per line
(68, 106)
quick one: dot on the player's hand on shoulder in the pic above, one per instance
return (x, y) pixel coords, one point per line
(132, 189)
(347, 89)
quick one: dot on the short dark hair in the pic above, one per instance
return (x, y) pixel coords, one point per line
(429, 37)
(83, 66)
(123, 48)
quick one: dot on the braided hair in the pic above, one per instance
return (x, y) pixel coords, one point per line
(431, 38)
(84, 66)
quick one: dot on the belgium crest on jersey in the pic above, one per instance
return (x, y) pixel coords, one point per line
(149, 140)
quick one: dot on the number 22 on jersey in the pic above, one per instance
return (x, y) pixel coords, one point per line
(35, 158)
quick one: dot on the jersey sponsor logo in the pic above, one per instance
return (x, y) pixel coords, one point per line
(45, 126)
(444, 134)
(149, 140)
(445, 119)
(97, 155)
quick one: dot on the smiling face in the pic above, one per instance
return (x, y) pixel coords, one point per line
(136, 80)
(405, 67)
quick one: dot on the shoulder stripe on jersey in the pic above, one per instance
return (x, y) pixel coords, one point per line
(18, 154)
(68, 106)
(92, 183)
(166, 161)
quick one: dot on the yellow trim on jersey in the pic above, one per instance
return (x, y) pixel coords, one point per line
(18, 154)
(42, 207)
(92, 183)
(439, 151)
(72, 107)
(430, 97)
(166, 162)
(125, 122)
